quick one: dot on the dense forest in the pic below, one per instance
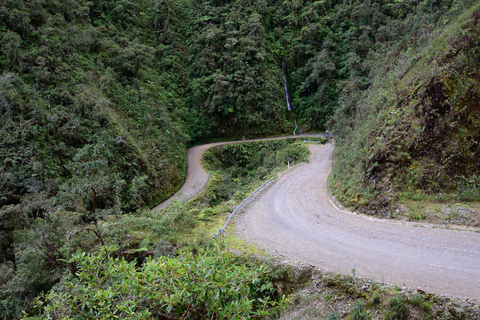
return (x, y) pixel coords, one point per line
(100, 99)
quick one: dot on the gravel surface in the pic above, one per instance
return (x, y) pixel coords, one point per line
(197, 176)
(295, 218)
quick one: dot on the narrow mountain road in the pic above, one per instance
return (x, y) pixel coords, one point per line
(197, 175)
(295, 218)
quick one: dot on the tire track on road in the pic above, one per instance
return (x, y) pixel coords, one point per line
(296, 219)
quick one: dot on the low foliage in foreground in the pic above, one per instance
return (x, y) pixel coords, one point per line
(40, 262)
(207, 284)
(331, 296)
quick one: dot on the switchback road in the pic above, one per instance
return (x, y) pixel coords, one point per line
(295, 218)
(197, 175)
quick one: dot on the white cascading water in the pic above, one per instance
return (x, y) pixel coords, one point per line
(287, 94)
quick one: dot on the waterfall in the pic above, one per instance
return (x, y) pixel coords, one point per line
(287, 94)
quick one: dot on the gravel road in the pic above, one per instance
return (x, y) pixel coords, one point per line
(197, 175)
(295, 218)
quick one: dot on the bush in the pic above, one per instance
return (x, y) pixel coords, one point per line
(425, 306)
(358, 311)
(246, 159)
(396, 309)
(209, 284)
(333, 316)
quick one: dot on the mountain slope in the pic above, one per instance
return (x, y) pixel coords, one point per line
(416, 130)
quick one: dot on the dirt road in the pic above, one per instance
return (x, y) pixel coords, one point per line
(197, 175)
(296, 219)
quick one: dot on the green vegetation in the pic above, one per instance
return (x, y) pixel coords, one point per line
(423, 304)
(100, 99)
(75, 86)
(210, 284)
(414, 133)
(250, 162)
(396, 309)
(42, 262)
(333, 316)
(358, 311)
(345, 297)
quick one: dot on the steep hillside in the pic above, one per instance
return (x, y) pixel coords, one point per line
(81, 98)
(415, 133)
(239, 51)
(87, 130)
(99, 100)
(123, 83)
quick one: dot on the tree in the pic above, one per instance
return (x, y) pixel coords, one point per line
(165, 14)
(95, 187)
(10, 47)
(131, 59)
(20, 21)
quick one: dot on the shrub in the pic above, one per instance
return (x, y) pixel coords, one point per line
(396, 309)
(333, 316)
(425, 306)
(209, 284)
(358, 311)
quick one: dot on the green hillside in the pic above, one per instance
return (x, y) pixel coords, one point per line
(82, 96)
(415, 132)
(100, 99)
